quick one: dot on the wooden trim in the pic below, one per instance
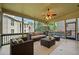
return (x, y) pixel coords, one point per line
(65, 28)
(67, 14)
(76, 28)
(15, 13)
(21, 15)
(1, 27)
(34, 26)
(22, 26)
(70, 22)
(13, 34)
(11, 18)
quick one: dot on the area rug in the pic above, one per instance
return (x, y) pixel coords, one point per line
(41, 50)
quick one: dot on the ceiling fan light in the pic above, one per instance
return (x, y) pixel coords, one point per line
(50, 17)
(47, 18)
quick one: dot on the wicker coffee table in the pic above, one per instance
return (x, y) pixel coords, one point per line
(47, 42)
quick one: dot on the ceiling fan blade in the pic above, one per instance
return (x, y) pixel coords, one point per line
(53, 14)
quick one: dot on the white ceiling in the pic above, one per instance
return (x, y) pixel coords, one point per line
(35, 10)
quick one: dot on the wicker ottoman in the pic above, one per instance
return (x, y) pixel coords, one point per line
(47, 42)
(57, 38)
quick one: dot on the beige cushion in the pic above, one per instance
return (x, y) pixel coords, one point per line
(37, 36)
(36, 33)
(18, 40)
(50, 37)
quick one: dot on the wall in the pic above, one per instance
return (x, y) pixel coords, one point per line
(7, 26)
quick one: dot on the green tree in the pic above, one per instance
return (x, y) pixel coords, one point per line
(52, 25)
(40, 27)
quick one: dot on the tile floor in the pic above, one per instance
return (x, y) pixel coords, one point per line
(5, 50)
(67, 47)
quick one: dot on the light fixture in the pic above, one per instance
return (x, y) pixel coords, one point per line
(49, 15)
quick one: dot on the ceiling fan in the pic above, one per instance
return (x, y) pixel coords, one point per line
(49, 14)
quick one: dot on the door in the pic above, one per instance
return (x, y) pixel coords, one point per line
(71, 30)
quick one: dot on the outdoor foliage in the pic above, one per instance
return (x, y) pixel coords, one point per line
(52, 26)
(40, 27)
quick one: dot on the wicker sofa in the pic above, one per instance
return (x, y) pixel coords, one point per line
(22, 48)
(35, 36)
(26, 47)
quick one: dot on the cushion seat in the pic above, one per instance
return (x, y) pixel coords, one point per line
(37, 37)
